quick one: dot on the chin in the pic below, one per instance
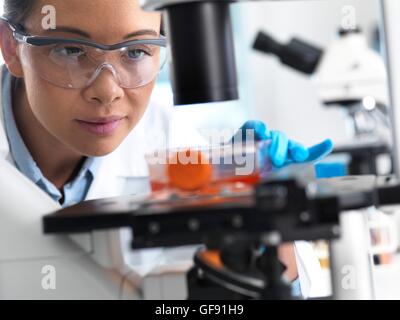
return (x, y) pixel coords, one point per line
(99, 153)
(98, 150)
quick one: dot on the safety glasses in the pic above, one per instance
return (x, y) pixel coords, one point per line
(76, 63)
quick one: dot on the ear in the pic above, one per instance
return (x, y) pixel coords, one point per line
(9, 50)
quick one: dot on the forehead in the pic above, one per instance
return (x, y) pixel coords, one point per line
(104, 20)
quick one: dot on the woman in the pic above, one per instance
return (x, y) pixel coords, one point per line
(76, 113)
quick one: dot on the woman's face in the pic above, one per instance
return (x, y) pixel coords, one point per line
(92, 121)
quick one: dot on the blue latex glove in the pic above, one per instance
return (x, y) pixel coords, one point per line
(284, 151)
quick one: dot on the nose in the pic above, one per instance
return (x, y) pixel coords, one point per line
(104, 89)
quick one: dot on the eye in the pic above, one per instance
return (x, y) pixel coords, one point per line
(136, 54)
(69, 51)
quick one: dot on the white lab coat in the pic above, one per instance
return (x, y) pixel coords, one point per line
(125, 172)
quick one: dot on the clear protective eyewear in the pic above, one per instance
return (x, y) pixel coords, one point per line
(76, 63)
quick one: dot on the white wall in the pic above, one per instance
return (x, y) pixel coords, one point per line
(287, 100)
(1, 13)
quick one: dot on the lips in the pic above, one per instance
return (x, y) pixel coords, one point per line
(101, 126)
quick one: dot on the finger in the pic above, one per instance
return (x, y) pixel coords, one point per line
(259, 128)
(278, 150)
(297, 151)
(320, 150)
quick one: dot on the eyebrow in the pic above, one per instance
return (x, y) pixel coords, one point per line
(70, 30)
(144, 32)
(79, 32)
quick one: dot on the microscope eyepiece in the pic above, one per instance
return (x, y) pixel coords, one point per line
(297, 54)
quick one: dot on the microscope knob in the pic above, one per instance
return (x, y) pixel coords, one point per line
(237, 255)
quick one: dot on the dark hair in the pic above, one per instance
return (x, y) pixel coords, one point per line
(18, 10)
(162, 28)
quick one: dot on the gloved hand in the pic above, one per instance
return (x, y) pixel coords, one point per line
(282, 150)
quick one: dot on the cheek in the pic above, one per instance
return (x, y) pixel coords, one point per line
(50, 105)
(137, 101)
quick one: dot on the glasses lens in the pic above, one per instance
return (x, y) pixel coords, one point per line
(142, 61)
(73, 66)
